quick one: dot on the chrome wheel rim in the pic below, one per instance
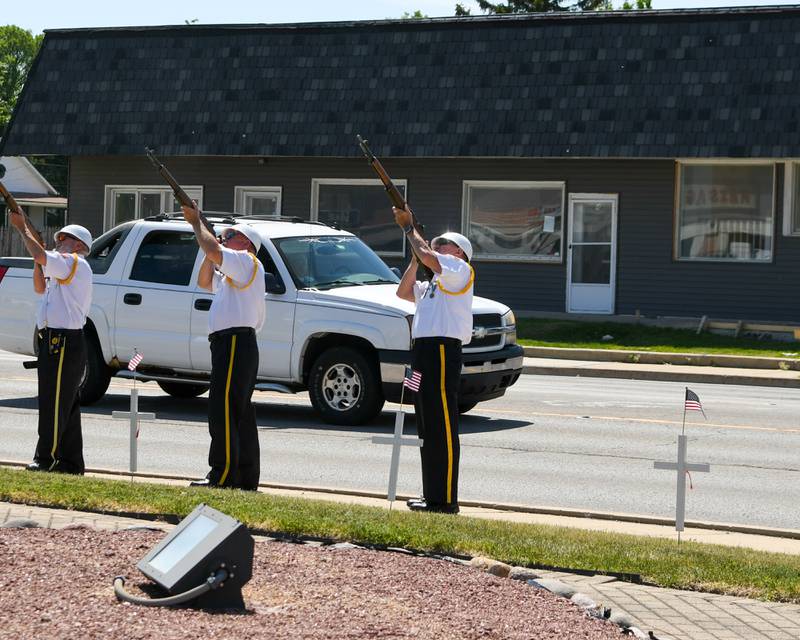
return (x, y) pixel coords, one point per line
(341, 387)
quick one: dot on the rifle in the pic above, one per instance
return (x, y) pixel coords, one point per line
(394, 195)
(13, 206)
(180, 195)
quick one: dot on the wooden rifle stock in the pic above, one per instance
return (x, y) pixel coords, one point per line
(12, 205)
(180, 195)
(394, 195)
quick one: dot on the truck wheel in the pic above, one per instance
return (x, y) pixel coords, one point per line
(463, 407)
(345, 387)
(96, 376)
(182, 389)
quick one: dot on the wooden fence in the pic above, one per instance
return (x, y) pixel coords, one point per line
(11, 242)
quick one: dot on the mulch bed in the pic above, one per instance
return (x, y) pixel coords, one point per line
(58, 584)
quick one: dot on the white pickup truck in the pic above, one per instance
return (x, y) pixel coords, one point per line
(334, 324)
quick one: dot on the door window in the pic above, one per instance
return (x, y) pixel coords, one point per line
(165, 257)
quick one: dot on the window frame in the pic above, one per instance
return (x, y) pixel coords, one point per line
(316, 182)
(790, 168)
(514, 184)
(676, 216)
(240, 193)
(110, 191)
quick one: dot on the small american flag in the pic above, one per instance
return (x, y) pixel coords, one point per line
(135, 360)
(692, 402)
(411, 379)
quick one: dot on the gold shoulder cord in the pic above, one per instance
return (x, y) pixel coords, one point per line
(465, 289)
(71, 275)
(252, 278)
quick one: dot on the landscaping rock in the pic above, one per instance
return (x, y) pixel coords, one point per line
(555, 586)
(496, 568)
(20, 523)
(523, 573)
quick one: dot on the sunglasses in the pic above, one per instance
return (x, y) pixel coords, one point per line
(63, 236)
(228, 235)
(442, 243)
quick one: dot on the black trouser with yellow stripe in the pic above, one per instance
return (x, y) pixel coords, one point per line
(436, 406)
(62, 360)
(234, 453)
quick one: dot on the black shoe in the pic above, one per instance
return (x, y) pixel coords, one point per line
(205, 482)
(35, 466)
(422, 505)
(58, 467)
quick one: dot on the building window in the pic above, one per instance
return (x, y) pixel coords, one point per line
(361, 207)
(55, 217)
(128, 202)
(514, 220)
(725, 212)
(257, 201)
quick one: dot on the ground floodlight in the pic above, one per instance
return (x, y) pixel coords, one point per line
(205, 561)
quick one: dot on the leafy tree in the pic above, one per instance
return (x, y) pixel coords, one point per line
(417, 15)
(18, 49)
(533, 6)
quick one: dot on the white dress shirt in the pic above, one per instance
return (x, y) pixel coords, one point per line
(444, 305)
(68, 297)
(239, 287)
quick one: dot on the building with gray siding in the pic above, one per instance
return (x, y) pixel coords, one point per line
(621, 162)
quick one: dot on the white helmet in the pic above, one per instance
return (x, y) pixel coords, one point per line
(77, 231)
(457, 239)
(250, 233)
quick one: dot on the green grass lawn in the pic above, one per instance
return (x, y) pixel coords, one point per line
(713, 568)
(575, 334)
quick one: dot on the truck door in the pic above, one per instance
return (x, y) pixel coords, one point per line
(275, 337)
(154, 300)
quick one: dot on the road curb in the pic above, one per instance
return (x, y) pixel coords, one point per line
(792, 534)
(664, 357)
(666, 375)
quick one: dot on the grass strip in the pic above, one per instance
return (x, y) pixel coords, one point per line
(574, 334)
(693, 566)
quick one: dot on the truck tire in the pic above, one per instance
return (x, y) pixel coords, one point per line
(96, 376)
(345, 387)
(182, 389)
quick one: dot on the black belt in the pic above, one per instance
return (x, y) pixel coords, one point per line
(231, 332)
(437, 340)
(57, 331)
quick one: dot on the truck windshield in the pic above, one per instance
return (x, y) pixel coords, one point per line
(327, 262)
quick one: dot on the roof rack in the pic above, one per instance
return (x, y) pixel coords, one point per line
(216, 216)
(294, 219)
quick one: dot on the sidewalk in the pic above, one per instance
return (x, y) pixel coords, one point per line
(636, 365)
(668, 613)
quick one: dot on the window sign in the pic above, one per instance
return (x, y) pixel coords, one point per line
(515, 220)
(726, 212)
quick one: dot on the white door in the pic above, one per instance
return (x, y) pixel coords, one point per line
(592, 253)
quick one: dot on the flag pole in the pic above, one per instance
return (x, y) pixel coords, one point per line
(683, 426)
(402, 393)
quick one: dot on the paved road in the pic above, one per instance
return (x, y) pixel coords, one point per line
(581, 443)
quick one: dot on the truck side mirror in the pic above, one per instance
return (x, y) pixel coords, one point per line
(273, 283)
(396, 271)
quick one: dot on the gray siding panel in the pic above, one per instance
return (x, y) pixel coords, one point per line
(648, 279)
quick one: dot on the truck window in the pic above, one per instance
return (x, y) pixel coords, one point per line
(106, 247)
(269, 264)
(166, 257)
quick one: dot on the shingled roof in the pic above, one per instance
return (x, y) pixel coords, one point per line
(696, 83)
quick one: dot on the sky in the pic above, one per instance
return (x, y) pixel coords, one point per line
(58, 14)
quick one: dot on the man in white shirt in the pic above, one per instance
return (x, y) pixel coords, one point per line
(442, 324)
(234, 274)
(64, 279)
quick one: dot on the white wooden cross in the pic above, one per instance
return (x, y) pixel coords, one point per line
(681, 466)
(134, 416)
(397, 440)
